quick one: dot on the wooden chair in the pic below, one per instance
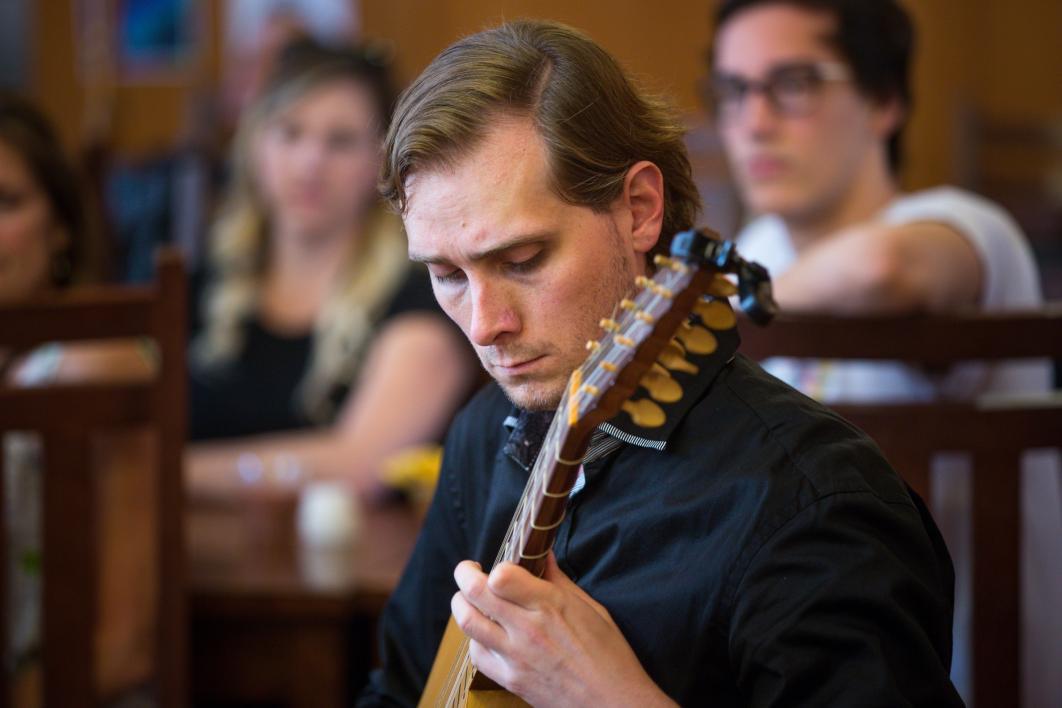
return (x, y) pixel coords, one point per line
(67, 417)
(1017, 162)
(993, 432)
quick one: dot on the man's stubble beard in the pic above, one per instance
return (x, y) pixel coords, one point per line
(616, 283)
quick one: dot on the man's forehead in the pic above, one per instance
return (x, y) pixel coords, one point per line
(499, 186)
(766, 37)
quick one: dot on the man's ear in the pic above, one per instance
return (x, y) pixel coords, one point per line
(888, 116)
(643, 195)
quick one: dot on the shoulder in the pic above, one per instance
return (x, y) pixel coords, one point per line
(1011, 278)
(943, 199)
(478, 429)
(471, 448)
(968, 213)
(480, 424)
(806, 481)
(794, 444)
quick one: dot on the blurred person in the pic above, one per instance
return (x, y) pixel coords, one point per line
(316, 329)
(811, 98)
(46, 247)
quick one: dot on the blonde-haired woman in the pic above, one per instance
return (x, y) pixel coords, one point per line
(320, 346)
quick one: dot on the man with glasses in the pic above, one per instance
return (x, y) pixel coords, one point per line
(811, 98)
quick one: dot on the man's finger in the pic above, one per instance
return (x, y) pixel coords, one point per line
(476, 625)
(554, 575)
(514, 584)
(472, 582)
(491, 663)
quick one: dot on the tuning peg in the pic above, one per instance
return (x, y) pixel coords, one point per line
(662, 291)
(722, 287)
(608, 324)
(660, 385)
(674, 358)
(609, 367)
(642, 282)
(627, 304)
(590, 390)
(645, 317)
(645, 413)
(697, 339)
(663, 261)
(717, 314)
(592, 345)
(623, 341)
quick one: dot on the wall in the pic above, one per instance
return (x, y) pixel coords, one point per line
(663, 42)
(135, 118)
(1003, 57)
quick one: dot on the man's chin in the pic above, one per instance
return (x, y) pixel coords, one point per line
(533, 396)
(785, 201)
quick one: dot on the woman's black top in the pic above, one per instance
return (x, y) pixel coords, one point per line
(255, 392)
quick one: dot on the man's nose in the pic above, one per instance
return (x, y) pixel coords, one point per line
(494, 314)
(308, 157)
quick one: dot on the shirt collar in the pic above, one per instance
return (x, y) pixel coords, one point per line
(527, 429)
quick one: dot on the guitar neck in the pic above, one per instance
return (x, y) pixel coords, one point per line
(542, 506)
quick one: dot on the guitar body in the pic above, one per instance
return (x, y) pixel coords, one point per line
(483, 693)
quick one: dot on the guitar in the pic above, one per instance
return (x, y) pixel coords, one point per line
(670, 325)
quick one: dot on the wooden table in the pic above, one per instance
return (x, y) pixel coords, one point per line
(275, 623)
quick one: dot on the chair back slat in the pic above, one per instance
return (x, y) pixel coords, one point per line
(933, 341)
(169, 404)
(996, 578)
(69, 569)
(936, 427)
(108, 405)
(91, 313)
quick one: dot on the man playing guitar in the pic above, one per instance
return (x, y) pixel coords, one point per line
(725, 541)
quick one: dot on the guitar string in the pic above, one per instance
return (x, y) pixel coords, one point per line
(459, 672)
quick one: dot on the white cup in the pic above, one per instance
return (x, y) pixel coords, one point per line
(328, 514)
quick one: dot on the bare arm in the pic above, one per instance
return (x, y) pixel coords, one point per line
(921, 266)
(415, 375)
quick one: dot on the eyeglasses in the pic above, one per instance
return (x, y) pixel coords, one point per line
(791, 90)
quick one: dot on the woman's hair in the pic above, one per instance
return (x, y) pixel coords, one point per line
(240, 235)
(25, 130)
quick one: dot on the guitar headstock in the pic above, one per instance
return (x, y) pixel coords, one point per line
(669, 326)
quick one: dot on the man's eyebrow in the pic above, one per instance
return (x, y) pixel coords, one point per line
(494, 251)
(795, 63)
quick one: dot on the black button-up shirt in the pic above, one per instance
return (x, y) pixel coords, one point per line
(766, 555)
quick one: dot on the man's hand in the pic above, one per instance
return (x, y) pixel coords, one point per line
(546, 640)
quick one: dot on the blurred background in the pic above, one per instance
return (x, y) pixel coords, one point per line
(145, 97)
(149, 89)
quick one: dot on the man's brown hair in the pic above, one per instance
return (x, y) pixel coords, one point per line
(594, 121)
